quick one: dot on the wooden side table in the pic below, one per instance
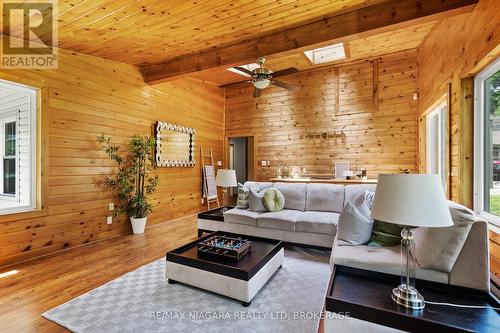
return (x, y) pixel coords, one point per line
(366, 296)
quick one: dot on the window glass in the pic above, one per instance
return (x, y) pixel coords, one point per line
(491, 96)
(10, 138)
(9, 176)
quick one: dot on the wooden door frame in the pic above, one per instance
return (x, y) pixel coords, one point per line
(445, 96)
(243, 135)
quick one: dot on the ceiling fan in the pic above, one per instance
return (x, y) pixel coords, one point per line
(262, 77)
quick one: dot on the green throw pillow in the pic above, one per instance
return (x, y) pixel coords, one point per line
(385, 234)
(273, 200)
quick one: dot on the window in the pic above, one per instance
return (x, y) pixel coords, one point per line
(9, 154)
(326, 54)
(250, 67)
(17, 147)
(487, 142)
(436, 143)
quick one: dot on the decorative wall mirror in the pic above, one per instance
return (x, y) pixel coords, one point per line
(174, 145)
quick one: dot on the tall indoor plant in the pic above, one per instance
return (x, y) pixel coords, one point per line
(136, 179)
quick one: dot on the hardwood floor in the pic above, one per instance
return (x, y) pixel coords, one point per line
(43, 283)
(46, 282)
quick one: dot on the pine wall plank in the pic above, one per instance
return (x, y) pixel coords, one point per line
(454, 51)
(89, 96)
(376, 113)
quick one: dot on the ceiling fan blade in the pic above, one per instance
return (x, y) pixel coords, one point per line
(256, 92)
(285, 71)
(244, 70)
(285, 85)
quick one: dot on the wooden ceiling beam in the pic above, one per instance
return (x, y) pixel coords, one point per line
(363, 22)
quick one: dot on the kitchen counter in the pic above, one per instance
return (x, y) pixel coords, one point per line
(325, 180)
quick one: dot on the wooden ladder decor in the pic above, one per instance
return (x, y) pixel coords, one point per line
(208, 174)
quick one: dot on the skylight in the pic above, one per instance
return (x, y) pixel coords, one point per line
(326, 54)
(250, 67)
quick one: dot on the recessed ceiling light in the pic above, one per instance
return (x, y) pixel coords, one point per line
(250, 67)
(326, 54)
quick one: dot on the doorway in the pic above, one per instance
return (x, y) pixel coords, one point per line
(241, 159)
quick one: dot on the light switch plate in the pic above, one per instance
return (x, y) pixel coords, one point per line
(219, 163)
(263, 163)
(109, 220)
(111, 206)
(268, 163)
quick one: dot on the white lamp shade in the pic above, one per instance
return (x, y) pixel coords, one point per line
(415, 200)
(226, 178)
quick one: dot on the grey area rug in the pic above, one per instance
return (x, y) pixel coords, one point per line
(143, 301)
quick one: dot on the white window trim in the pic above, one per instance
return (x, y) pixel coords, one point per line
(437, 109)
(32, 93)
(479, 142)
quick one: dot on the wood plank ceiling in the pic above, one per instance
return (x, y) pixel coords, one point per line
(149, 31)
(146, 32)
(362, 48)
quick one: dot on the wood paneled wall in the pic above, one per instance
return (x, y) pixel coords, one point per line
(454, 51)
(88, 96)
(369, 101)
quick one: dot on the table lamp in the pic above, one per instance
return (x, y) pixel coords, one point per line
(410, 200)
(225, 178)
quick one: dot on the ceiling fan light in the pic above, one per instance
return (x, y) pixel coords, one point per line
(261, 84)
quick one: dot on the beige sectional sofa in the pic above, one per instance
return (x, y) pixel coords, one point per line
(470, 270)
(310, 215)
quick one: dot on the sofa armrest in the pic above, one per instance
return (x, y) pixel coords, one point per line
(332, 258)
(472, 268)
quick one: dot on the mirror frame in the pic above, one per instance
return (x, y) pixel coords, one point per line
(160, 126)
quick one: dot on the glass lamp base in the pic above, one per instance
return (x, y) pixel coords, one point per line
(408, 297)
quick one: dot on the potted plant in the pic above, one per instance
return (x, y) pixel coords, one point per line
(136, 179)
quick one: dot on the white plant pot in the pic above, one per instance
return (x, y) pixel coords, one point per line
(138, 224)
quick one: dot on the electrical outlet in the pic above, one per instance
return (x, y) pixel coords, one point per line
(219, 163)
(202, 200)
(109, 220)
(111, 206)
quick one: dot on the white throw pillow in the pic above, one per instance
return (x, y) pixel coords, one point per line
(255, 200)
(243, 194)
(355, 224)
(438, 248)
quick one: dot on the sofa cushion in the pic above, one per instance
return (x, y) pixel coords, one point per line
(273, 200)
(255, 200)
(243, 195)
(355, 225)
(295, 195)
(241, 216)
(282, 220)
(317, 222)
(438, 248)
(325, 197)
(380, 259)
(351, 191)
(386, 234)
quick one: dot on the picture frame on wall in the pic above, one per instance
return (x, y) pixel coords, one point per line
(340, 169)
